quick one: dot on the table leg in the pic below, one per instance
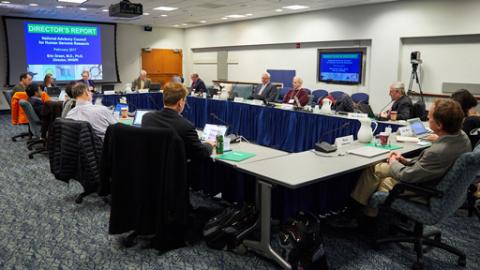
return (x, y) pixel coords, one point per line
(263, 247)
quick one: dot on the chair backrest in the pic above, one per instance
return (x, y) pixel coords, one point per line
(337, 95)
(8, 96)
(244, 91)
(283, 92)
(308, 91)
(360, 98)
(419, 111)
(455, 184)
(33, 120)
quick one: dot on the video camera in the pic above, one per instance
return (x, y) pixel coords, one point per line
(415, 58)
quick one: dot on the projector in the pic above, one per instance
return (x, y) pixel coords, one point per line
(125, 9)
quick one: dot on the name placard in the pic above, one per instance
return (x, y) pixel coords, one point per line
(357, 115)
(344, 141)
(238, 99)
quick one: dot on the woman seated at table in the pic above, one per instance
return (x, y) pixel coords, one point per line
(48, 81)
(298, 92)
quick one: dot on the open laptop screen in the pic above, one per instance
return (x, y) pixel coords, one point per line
(417, 127)
(137, 121)
(210, 132)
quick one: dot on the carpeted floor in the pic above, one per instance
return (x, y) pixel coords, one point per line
(42, 228)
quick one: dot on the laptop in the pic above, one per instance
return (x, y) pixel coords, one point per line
(53, 91)
(154, 87)
(137, 121)
(418, 129)
(211, 131)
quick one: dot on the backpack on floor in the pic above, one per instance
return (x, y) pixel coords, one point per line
(301, 243)
(229, 229)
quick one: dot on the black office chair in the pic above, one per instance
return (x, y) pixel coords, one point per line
(35, 127)
(8, 97)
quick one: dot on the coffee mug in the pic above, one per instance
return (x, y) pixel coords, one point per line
(393, 115)
(383, 138)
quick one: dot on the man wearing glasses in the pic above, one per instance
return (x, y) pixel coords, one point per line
(100, 117)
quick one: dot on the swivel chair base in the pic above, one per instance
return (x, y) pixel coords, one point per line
(419, 240)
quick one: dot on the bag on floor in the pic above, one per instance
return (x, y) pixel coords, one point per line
(301, 243)
(229, 229)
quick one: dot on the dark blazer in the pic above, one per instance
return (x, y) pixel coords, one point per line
(403, 107)
(136, 84)
(88, 83)
(167, 117)
(301, 94)
(269, 93)
(470, 124)
(145, 171)
(199, 86)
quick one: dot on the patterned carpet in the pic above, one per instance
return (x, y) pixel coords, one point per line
(42, 228)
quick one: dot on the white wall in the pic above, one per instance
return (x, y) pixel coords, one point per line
(383, 24)
(130, 41)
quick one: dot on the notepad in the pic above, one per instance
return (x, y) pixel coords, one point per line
(368, 151)
(236, 156)
(387, 146)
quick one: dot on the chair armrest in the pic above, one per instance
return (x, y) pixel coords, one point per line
(406, 191)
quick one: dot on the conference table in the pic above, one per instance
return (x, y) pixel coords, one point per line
(286, 130)
(310, 167)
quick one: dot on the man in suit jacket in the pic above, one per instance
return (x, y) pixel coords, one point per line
(445, 119)
(265, 91)
(198, 86)
(174, 99)
(142, 82)
(402, 104)
(86, 80)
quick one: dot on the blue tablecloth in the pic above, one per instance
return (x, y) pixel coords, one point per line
(291, 131)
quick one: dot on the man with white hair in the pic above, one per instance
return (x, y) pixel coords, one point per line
(142, 82)
(265, 91)
(297, 92)
(402, 104)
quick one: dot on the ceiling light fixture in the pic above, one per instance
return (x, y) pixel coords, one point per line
(278, 10)
(249, 14)
(203, 21)
(165, 8)
(295, 7)
(164, 15)
(5, 2)
(105, 10)
(224, 18)
(73, 1)
(59, 6)
(176, 25)
(33, 4)
(146, 14)
(235, 16)
(82, 8)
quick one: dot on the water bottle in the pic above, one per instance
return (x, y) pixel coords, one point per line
(219, 147)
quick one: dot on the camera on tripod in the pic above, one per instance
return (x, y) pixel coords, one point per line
(415, 58)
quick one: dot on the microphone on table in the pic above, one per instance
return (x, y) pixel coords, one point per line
(391, 101)
(233, 137)
(325, 147)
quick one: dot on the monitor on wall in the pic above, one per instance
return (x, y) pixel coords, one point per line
(340, 67)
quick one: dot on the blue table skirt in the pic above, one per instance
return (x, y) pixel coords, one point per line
(290, 131)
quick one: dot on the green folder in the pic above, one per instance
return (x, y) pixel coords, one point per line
(235, 156)
(388, 147)
(126, 121)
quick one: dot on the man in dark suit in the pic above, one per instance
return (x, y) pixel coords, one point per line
(198, 86)
(86, 80)
(142, 82)
(265, 91)
(402, 104)
(174, 99)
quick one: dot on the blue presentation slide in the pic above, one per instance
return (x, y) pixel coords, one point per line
(64, 50)
(340, 67)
